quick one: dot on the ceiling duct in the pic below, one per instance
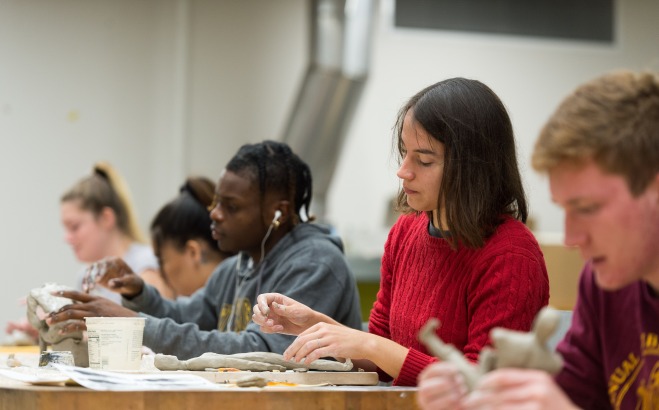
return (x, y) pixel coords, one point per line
(340, 49)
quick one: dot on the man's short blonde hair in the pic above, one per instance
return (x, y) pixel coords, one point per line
(613, 120)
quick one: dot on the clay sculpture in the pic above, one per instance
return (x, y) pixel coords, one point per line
(253, 361)
(41, 302)
(510, 348)
(211, 361)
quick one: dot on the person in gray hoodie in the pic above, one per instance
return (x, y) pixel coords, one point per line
(261, 212)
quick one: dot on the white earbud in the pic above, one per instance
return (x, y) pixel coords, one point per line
(275, 220)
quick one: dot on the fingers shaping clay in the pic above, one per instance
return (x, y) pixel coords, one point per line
(40, 303)
(524, 350)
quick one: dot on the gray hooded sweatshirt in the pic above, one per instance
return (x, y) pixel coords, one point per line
(306, 265)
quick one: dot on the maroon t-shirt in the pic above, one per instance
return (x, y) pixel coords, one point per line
(611, 351)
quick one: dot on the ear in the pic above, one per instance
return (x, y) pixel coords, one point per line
(284, 212)
(107, 218)
(193, 248)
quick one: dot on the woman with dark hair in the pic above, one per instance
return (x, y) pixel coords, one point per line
(182, 239)
(600, 152)
(459, 252)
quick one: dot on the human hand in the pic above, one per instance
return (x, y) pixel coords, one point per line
(328, 340)
(114, 274)
(517, 389)
(87, 306)
(441, 386)
(22, 327)
(276, 313)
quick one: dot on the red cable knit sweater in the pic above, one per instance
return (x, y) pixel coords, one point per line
(504, 283)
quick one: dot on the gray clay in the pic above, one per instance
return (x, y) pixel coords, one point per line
(252, 361)
(41, 302)
(509, 349)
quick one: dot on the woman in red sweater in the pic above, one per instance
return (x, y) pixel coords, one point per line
(460, 250)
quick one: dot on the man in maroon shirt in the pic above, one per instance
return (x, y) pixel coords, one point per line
(601, 152)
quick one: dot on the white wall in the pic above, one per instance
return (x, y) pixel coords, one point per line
(247, 58)
(164, 88)
(530, 75)
(79, 82)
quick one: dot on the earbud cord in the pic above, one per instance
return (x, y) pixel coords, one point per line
(259, 273)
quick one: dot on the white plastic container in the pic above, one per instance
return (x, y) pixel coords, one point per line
(115, 343)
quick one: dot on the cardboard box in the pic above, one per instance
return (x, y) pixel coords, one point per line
(564, 264)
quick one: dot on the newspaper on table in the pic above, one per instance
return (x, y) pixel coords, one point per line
(35, 376)
(114, 381)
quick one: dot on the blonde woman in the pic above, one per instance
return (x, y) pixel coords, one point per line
(100, 222)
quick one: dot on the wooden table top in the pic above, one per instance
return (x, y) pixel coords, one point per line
(15, 395)
(74, 398)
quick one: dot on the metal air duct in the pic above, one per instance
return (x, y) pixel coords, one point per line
(339, 60)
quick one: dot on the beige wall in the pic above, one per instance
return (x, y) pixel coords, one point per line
(563, 267)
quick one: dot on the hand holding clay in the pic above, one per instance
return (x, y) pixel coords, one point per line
(517, 388)
(114, 274)
(20, 333)
(88, 306)
(40, 303)
(449, 354)
(441, 387)
(524, 350)
(276, 313)
(512, 349)
(329, 340)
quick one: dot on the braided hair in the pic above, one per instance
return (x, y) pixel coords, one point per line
(277, 169)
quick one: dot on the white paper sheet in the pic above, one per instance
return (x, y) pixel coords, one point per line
(115, 381)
